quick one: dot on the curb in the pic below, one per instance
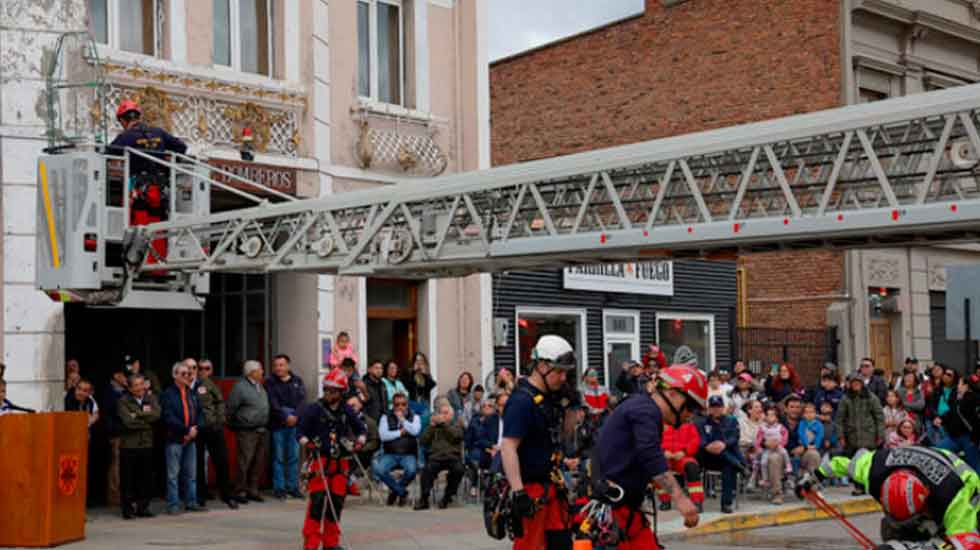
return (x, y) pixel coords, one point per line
(782, 516)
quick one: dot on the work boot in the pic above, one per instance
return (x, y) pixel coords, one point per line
(392, 497)
(665, 505)
(354, 490)
(422, 504)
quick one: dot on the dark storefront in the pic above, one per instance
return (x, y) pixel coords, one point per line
(611, 313)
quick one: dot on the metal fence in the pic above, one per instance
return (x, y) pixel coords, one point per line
(762, 348)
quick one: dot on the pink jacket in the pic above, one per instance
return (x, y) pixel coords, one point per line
(771, 432)
(337, 355)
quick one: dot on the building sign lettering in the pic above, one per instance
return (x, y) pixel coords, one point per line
(274, 177)
(654, 278)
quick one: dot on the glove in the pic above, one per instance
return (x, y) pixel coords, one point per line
(808, 482)
(359, 443)
(521, 506)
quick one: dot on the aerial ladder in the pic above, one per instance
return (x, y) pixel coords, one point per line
(891, 173)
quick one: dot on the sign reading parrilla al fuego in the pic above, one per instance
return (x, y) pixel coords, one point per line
(275, 177)
(655, 278)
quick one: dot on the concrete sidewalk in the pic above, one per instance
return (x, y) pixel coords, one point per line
(369, 526)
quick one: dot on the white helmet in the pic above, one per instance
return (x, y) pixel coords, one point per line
(556, 350)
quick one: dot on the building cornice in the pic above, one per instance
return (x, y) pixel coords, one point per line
(892, 11)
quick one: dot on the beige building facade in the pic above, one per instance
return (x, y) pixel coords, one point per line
(340, 94)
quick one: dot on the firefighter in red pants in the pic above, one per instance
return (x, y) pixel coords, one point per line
(148, 179)
(331, 430)
(531, 452)
(630, 452)
(681, 450)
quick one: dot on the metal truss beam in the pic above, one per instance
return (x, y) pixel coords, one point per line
(891, 172)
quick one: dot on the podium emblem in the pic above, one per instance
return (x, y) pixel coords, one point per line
(68, 474)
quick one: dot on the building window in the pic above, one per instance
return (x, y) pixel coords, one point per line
(239, 322)
(621, 341)
(682, 336)
(127, 25)
(381, 45)
(243, 35)
(533, 323)
(868, 96)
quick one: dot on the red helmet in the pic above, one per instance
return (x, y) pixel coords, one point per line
(127, 106)
(903, 495)
(335, 379)
(687, 380)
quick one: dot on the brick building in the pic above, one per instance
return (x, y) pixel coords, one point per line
(691, 65)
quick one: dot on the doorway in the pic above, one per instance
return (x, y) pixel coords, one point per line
(881, 343)
(392, 312)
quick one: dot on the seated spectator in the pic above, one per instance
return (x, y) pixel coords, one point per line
(831, 438)
(181, 412)
(444, 439)
(750, 417)
(715, 389)
(743, 392)
(681, 448)
(473, 410)
(911, 367)
(784, 383)
(577, 440)
(399, 431)
(461, 397)
(800, 455)
(80, 398)
(905, 435)
(829, 391)
(809, 431)
(596, 396)
(342, 350)
(366, 455)
(6, 407)
(811, 394)
(137, 411)
(893, 412)
(770, 446)
(719, 449)
(481, 441)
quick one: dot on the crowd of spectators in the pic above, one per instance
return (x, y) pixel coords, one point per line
(759, 431)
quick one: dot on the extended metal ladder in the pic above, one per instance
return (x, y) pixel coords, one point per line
(893, 172)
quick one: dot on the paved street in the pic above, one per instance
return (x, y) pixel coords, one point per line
(275, 525)
(818, 535)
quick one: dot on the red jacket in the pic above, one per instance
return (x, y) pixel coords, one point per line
(685, 438)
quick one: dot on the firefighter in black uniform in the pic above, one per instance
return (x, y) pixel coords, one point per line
(330, 429)
(531, 451)
(148, 180)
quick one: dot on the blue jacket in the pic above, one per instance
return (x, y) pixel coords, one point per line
(172, 410)
(317, 421)
(834, 396)
(285, 399)
(481, 434)
(147, 138)
(804, 431)
(724, 429)
(110, 398)
(629, 449)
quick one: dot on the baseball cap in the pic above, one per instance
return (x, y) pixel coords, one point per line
(716, 401)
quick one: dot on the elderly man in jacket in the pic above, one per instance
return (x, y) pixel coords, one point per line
(719, 449)
(211, 434)
(137, 412)
(444, 439)
(181, 416)
(248, 416)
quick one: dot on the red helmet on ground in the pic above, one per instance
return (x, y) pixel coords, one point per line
(335, 379)
(687, 380)
(903, 495)
(127, 106)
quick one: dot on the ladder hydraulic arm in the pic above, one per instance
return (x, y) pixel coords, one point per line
(893, 172)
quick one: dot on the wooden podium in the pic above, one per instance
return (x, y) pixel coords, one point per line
(43, 478)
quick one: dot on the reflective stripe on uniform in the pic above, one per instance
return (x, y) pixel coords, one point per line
(852, 467)
(826, 468)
